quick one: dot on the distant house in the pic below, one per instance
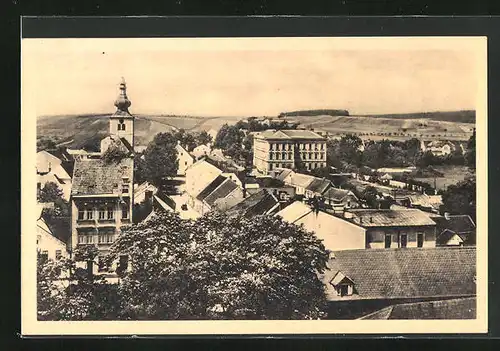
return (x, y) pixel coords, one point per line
(200, 151)
(299, 181)
(184, 160)
(455, 230)
(345, 198)
(142, 191)
(463, 308)
(261, 203)
(317, 187)
(440, 148)
(424, 202)
(221, 194)
(198, 176)
(50, 168)
(360, 282)
(47, 244)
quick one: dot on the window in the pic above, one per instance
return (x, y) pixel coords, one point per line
(124, 212)
(388, 240)
(110, 213)
(110, 238)
(90, 214)
(45, 255)
(185, 163)
(102, 214)
(270, 166)
(420, 239)
(38, 237)
(315, 155)
(58, 254)
(90, 239)
(404, 240)
(81, 214)
(81, 239)
(283, 155)
(343, 290)
(270, 155)
(102, 239)
(125, 188)
(39, 185)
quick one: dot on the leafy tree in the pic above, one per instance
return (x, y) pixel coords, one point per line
(115, 153)
(187, 140)
(203, 138)
(370, 195)
(460, 198)
(229, 139)
(470, 155)
(57, 218)
(160, 159)
(45, 143)
(221, 267)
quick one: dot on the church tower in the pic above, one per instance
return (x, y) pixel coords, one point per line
(121, 123)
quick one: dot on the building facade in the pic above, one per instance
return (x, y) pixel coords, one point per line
(102, 193)
(288, 149)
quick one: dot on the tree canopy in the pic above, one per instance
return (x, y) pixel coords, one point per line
(160, 159)
(461, 198)
(221, 267)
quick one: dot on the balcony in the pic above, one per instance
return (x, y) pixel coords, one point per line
(106, 221)
(86, 222)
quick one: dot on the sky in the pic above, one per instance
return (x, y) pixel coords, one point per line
(242, 77)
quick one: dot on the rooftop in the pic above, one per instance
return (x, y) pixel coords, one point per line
(289, 134)
(405, 273)
(464, 308)
(294, 211)
(256, 204)
(96, 177)
(211, 187)
(226, 188)
(456, 223)
(390, 218)
(319, 185)
(336, 194)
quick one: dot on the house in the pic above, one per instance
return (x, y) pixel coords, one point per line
(50, 168)
(184, 159)
(317, 187)
(102, 194)
(288, 149)
(325, 226)
(121, 143)
(200, 151)
(221, 194)
(389, 228)
(198, 176)
(142, 191)
(360, 282)
(261, 203)
(463, 308)
(440, 147)
(298, 180)
(455, 230)
(424, 202)
(47, 244)
(343, 197)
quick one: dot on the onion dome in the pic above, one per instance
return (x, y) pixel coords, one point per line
(122, 103)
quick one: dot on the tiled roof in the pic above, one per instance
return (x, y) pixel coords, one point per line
(464, 308)
(94, 176)
(289, 134)
(456, 223)
(401, 273)
(283, 174)
(336, 194)
(318, 185)
(302, 180)
(294, 211)
(391, 218)
(256, 204)
(446, 235)
(425, 200)
(211, 187)
(226, 188)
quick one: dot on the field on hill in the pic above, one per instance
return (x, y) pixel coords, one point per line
(393, 128)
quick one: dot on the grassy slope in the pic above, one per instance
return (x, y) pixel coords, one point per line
(78, 129)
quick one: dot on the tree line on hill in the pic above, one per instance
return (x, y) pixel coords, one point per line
(330, 112)
(215, 267)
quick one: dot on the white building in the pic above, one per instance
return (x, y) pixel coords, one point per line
(184, 159)
(49, 169)
(46, 243)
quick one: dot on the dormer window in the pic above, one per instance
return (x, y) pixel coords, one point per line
(344, 286)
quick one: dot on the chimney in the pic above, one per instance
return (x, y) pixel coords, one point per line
(50, 166)
(447, 215)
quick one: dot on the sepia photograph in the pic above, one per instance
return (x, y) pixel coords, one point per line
(254, 185)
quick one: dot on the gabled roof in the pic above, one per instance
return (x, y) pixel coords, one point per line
(318, 185)
(464, 308)
(202, 166)
(211, 187)
(339, 277)
(390, 218)
(301, 180)
(294, 212)
(405, 273)
(283, 173)
(446, 236)
(226, 188)
(337, 194)
(259, 203)
(96, 177)
(456, 223)
(424, 200)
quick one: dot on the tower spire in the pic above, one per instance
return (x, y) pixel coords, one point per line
(122, 103)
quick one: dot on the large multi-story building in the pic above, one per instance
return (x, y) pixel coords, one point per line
(102, 191)
(294, 149)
